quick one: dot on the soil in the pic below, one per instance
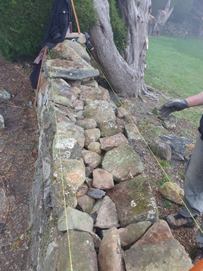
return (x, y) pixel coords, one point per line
(19, 153)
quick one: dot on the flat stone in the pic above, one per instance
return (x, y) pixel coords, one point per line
(162, 256)
(60, 86)
(99, 93)
(133, 232)
(72, 70)
(72, 173)
(112, 142)
(123, 163)
(82, 254)
(110, 256)
(102, 179)
(172, 192)
(74, 219)
(66, 147)
(107, 216)
(134, 202)
(100, 111)
(159, 232)
(91, 159)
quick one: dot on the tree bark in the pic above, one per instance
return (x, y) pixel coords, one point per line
(125, 73)
(160, 20)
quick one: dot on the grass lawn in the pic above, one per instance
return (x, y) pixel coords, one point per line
(175, 66)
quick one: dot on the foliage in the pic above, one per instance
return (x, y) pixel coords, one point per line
(174, 66)
(166, 204)
(22, 25)
(118, 26)
(87, 15)
(181, 8)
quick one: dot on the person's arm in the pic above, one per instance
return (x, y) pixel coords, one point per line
(178, 105)
(195, 100)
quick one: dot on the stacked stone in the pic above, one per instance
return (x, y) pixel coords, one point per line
(91, 207)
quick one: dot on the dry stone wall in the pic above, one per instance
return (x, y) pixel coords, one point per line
(91, 202)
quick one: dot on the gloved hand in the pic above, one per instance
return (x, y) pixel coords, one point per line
(172, 106)
(200, 129)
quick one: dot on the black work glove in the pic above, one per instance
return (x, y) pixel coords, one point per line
(172, 106)
(200, 129)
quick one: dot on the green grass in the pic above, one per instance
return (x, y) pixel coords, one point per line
(175, 66)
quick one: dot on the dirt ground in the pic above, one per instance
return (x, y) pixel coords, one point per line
(19, 142)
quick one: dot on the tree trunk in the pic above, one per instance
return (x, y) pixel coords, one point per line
(125, 74)
(157, 24)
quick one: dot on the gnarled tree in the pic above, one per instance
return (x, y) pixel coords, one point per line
(124, 72)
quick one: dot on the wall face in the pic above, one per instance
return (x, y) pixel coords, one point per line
(89, 195)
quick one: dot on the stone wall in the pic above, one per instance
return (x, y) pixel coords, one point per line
(91, 206)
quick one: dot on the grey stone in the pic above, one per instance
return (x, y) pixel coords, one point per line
(62, 87)
(78, 48)
(107, 216)
(162, 256)
(4, 95)
(123, 163)
(81, 257)
(96, 193)
(100, 111)
(75, 220)
(72, 70)
(95, 147)
(66, 147)
(178, 145)
(134, 202)
(2, 125)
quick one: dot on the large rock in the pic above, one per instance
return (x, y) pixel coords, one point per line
(111, 142)
(91, 159)
(161, 149)
(69, 175)
(133, 232)
(72, 70)
(134, 202)
(107, 216)
(102, 179)
(66, 147)
(100, 111)
(162, 256)
(110, 128)
(75, 253)
(91, 135)
(178, 146)
(99, 93)
(110, 258)
(87, 123)
(172, 192)
(123, 163)
(72, 219)
(159, 232)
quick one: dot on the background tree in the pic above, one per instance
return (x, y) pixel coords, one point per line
(196, 15)
(125, 72)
